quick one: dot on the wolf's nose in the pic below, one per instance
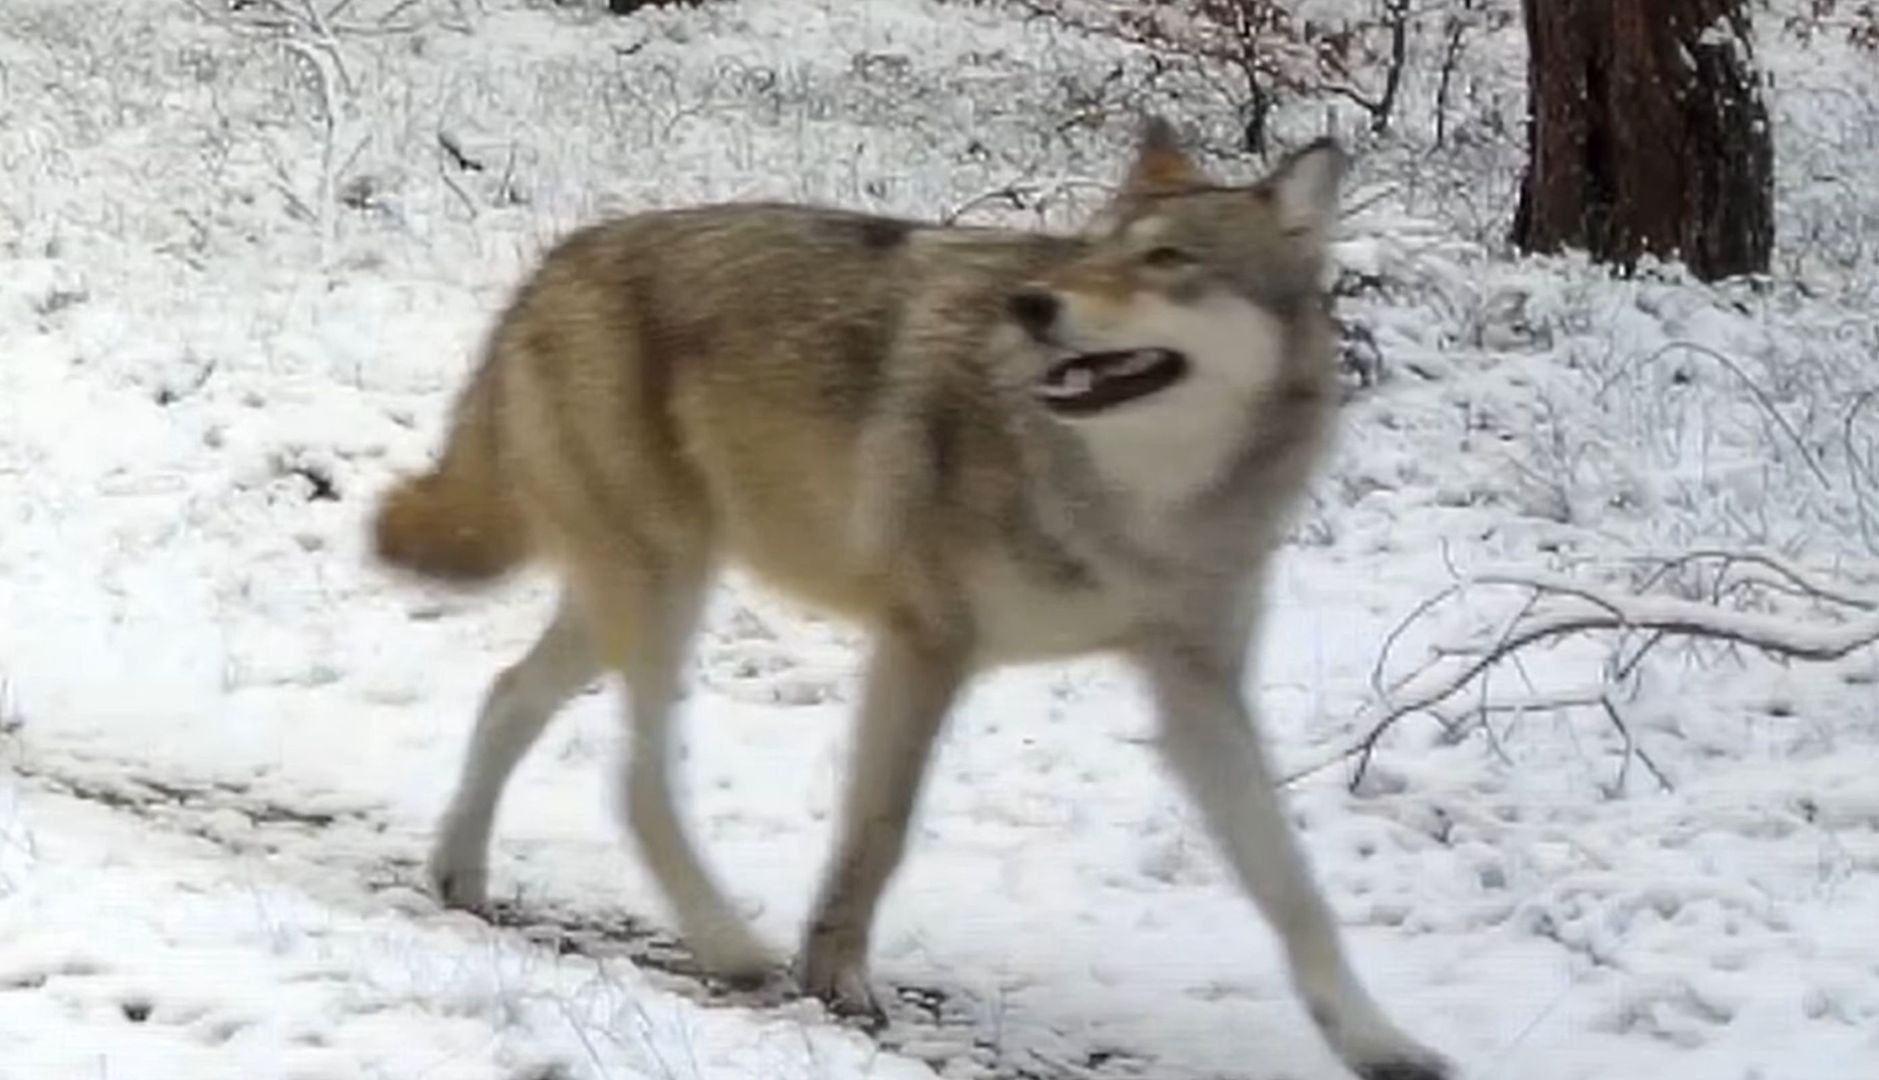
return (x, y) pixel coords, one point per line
(1035, 310)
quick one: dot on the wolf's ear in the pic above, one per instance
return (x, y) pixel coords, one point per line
(1304, 188)
(1160, 165)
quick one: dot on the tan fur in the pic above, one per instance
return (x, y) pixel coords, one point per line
(656, 389)
(843, 405)
(456, 523)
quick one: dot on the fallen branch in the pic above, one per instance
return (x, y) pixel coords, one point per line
(1032, 195)
(1556, 606)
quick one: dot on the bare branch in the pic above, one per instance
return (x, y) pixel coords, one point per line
(1263, 50)
(1632, 749)
(1555, 606)
(1761, 397)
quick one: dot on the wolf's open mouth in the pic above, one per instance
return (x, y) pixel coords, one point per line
(1092, 382)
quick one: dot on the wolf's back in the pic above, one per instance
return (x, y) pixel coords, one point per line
(653, 363)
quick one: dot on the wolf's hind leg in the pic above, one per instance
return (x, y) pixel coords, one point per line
(1210, 741)
(646, 618)
(515, 711)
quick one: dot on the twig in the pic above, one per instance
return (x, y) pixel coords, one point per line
(1632, 749)
(1558, 607)
(1015, 195)
(1858, 468)
(1396, 632)
(1798, 581)
(1755, 390)
(445, 174)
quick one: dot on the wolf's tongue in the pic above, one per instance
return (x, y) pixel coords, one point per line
(1093, 382)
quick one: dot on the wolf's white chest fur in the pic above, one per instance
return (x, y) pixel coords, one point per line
(1155, 457)
(1157, 453)
(1020, 619)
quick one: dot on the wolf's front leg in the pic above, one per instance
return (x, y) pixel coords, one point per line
(911, 682)
(1209, 739)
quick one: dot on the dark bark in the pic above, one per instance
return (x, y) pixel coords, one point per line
(1646, 134)
(1396, 16)
(627, 7)
(1455, 31)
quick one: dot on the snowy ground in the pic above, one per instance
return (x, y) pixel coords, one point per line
(238, 278)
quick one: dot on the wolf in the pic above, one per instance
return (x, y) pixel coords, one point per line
(983, 446)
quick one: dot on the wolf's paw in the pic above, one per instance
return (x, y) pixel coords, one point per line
(848, 996)
(1375, 1049)
(729, 951)
(458, 881)
(1405, 1060)
(837, 973)
(1404, 1070)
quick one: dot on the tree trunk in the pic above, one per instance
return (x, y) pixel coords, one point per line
(628, 7)
(1646, 134)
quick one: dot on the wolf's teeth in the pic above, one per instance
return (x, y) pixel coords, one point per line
(1139, 361)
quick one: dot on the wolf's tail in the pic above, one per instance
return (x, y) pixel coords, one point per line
(459, 522)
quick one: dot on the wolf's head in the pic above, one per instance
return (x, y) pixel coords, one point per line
(1185, 281)
(1194, 317)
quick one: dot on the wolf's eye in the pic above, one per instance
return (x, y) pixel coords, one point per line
(1167, 257)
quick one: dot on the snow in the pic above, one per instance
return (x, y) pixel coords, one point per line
(239, 280)
(131, 952)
